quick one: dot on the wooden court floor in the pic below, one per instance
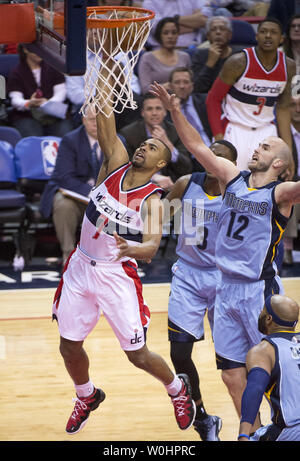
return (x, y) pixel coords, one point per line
(36, 392)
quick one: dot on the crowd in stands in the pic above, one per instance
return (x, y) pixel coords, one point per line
(189, 43)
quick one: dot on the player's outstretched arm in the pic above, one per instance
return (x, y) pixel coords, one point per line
(114, 152)
(287, 194)
(223, 169)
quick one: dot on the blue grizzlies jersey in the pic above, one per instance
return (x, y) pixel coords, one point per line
(283, 390)
(250, 228)
(199, 219)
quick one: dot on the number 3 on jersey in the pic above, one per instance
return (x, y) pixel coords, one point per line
(261, 101)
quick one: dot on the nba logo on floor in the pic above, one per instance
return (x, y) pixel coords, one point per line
(49, 152)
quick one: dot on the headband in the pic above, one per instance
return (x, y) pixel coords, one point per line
(277, 319)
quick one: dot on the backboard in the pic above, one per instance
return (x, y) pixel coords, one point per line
(61, 34)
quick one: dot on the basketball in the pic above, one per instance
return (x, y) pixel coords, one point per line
(130, 36)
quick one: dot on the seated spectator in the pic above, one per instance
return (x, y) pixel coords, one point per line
(76, 170)
(283, 10)
(76, 85)
(192, 105)
(207, 62)
(246, 7)
(37, 93)
(191, 16)
(291, 231)
(218, 7)
(254, 8)
(291, 45)
(156, 65)
(153, 124)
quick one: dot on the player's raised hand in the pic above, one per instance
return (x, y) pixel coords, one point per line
(170, 101)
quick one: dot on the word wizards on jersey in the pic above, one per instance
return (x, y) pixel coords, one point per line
(199, 220)
(250, 228)
(113, 209)
(251, 100)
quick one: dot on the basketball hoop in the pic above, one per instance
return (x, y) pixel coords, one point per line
(125, 30)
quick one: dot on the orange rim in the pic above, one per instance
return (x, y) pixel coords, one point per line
(94, 23)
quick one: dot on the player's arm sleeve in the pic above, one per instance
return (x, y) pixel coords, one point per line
(214, 100)
(257, 382)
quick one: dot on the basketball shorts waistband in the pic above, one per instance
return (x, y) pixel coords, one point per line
(99, 262)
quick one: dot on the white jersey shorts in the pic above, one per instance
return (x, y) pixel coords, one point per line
(90, 287)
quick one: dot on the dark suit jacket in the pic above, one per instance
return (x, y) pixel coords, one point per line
(200, 106)
(135, 133)
(73, 168)
(281, 10)
(204, 76)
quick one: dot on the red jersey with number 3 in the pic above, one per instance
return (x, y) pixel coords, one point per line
(251, 100)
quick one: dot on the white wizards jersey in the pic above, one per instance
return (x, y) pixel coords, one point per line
(113, 209)
(252, 99)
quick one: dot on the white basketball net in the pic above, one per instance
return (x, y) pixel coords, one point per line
(118, 93)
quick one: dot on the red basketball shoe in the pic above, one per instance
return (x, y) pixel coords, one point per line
(82, 409)
(184, 405)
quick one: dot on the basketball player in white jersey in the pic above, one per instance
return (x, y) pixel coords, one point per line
(251, 86)
(122, 223)
(252, 218)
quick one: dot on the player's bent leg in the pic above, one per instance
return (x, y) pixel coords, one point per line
(75, 359)
(207, 426)
(235, 381)
(77, 365)
(151, 363)
(178, 386)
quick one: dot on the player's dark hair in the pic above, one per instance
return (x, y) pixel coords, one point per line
(274, 20)
(167, 153)
(230, 147)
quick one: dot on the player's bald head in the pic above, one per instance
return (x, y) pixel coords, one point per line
(285, 308)
(281, 150)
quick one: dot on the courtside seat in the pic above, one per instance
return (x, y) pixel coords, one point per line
(243, 34)
(10, 134)
(35, 159)
(7, 63)
(12, 202)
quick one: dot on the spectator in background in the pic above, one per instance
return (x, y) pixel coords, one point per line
(254, 8)
(191, 16)
(37, 93)
(283, 10)
(156, 65)
(291, 231)
(218, 7)
(291, 43)
(153, 124)
(76, 170)
(192, 105)
(208, 62)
